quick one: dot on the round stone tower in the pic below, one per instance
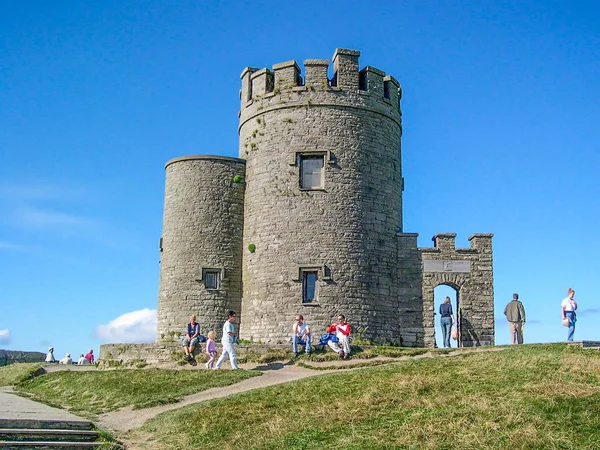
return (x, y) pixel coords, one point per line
(201, 259)
(323, 199)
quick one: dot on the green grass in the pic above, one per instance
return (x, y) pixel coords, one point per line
(95, 392)
(17, 373)
(526, 397)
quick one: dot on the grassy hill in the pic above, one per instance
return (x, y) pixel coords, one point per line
(525, 397)
(528, 397)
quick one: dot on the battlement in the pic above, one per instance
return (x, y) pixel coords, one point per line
(446, 242)
(286, 79)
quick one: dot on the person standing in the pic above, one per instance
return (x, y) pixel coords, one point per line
(446, 321)
(227, 341)
(569, 306)
(211, 349)
(515, 314)
(301, 335)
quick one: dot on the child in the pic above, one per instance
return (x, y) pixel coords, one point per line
(211, 349)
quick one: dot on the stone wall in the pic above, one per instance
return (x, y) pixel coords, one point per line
(202, 229)
(347, 229)
(168, 352)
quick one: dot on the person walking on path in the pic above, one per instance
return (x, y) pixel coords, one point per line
(446, 321)
(227, 341)
(569, 306)
(342, 332)
(301, 336)
(515, 314)
(190, 340)
(211, 349)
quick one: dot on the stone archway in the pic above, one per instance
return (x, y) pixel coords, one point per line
(469, 271)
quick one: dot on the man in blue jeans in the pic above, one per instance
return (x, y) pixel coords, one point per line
(301, 335)
(446, 321)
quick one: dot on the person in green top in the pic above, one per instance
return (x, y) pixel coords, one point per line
(515, 314)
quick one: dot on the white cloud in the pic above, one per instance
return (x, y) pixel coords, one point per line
(5, 336)
(132, 327)
(35, 217)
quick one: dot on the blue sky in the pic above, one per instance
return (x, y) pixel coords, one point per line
(501, 104)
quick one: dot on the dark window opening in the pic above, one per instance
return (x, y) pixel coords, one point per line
(210, 277)
(309, 286)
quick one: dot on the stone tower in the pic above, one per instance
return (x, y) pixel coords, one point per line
(201, 244)
(309, 219)
(323, 200)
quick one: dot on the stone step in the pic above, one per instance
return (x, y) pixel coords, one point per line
(47, 445)
(46, 424)
(19, 434)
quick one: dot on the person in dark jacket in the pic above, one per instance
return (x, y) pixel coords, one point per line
(515, 314)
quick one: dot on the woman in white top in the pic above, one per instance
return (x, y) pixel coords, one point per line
(569, 306)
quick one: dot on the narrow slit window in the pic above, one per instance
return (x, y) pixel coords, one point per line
(211, 278)
(309, 286)
(311, 171)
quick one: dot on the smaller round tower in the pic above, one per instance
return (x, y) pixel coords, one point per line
(201, 243)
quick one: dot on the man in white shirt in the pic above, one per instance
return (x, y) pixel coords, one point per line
(301, 335)
(227, 341)
(50, 356)
(66, 360)
(569, 306)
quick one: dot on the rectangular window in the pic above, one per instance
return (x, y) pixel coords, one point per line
(311, 171)
(210, 277)
(309, 286)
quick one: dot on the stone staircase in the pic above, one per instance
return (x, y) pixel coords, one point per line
(47, 434)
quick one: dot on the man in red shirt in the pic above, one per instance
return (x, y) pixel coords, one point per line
(342, 332)
(90, 356)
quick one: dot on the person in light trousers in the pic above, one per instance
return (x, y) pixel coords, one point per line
(227, 340)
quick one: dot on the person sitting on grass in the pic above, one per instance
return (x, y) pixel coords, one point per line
(342, 332)
(82, 360)
(90, 356)
(66, 360)
(50, 356)
(190, 340)
(301, 335)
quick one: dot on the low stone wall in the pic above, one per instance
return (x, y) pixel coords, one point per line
(156, 353)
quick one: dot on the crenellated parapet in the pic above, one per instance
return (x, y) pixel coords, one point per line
(342, 84)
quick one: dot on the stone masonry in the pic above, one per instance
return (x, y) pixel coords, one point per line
(254, 224)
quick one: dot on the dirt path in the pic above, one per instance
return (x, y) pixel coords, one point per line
(127, 419)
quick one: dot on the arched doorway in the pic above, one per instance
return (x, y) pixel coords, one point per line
(439, 295)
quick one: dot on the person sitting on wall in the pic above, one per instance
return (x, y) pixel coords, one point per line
(342, 332)
(301, 335)
(66, 360)
(90, 356)
(82, 361)
(190, 340)
(50, 356)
